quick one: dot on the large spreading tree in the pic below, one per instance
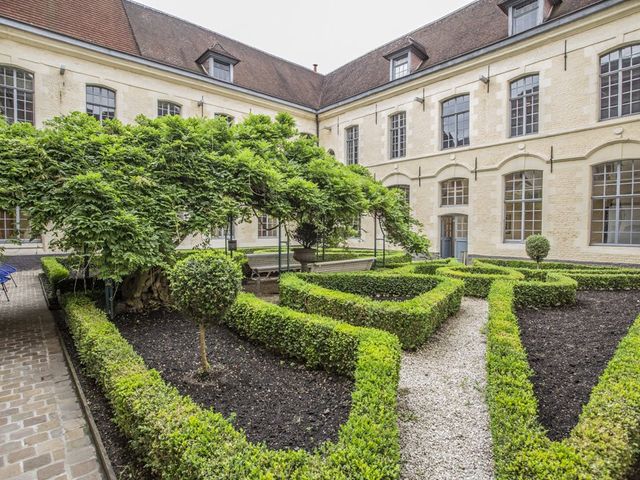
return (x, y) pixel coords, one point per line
(123, 197)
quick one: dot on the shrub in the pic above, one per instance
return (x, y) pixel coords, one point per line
(555, 290)
(605, 443)
(478, 279)
(177, 439)
(347, 297)
(204, 285)
(537, 247)
(54, 270)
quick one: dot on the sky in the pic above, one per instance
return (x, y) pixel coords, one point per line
(327, 32)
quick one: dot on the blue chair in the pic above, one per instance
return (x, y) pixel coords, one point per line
(3, 280)
(8, 271)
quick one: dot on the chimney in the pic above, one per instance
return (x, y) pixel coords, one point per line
(315, 67)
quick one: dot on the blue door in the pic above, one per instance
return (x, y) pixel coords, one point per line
(446, 236)
(460, 237)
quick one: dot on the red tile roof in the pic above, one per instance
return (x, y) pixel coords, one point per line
(133, 28)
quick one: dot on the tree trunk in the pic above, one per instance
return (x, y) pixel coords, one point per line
(203, 350)
(145, 290)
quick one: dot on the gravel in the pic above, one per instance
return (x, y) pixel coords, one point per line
(443, 416)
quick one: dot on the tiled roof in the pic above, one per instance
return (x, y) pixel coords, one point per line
(132, 28)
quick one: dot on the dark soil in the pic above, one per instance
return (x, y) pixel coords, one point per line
(569, 348)
(273, 399)
(125, 463)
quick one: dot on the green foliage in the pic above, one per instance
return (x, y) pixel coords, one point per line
(537, 247)
(204, 285)
(553, 290)
(54, 270)
(605, 444)
(478, 279)
(347, 297)
(177, 439)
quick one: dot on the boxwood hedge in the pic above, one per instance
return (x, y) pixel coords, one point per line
(177, 439)
(604, 445)
(348, 297)
(478, 279)
(54, 270)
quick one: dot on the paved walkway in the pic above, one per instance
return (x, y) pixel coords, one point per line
(43, 433)
(444, 420)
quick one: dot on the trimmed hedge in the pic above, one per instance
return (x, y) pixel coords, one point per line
(604, 445)
(346, 297)
(555, 290)
(55, 271)
(177, 439)
(392, 257)
(478, 279)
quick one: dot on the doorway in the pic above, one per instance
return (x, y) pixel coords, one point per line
(453, 236)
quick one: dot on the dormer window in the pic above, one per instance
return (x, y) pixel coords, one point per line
(526, 14)
(400, 66)
(218, 63)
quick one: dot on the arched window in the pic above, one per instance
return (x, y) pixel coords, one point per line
(620, 82)
(454, 191)
(406, 191)
(615, 203)
(522, 205)
(101, 102)
(455, 122)
(168, 108)
(524, 105)
(226, 116)
(16, 95)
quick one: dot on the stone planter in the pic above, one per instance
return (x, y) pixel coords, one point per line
(304, 256)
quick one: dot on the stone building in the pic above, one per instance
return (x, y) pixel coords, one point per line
(502, 119)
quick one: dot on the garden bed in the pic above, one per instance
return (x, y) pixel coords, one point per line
(273, 399)
(568, 349)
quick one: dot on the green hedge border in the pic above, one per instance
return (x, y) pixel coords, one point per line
(178, 439)
(605, 444)
(55, 271)
(413, 320)
(479, 278)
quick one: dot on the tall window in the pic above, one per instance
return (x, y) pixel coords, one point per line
(620, 83)
(524, 105)
(352, 147)
(454, 192)
(524, 16)
(267, 227)
(14, 225)
(168, 108)
(615, 203)
(522, 205)
(400, 66)
(220, 69)
(455, 122)
(357, 227)
(101, 102)
(406, 191)
(16, 95)
(398, 135)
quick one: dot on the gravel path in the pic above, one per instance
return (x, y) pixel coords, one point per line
(444, 420)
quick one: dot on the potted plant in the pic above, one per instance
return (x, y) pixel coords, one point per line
(306, 234)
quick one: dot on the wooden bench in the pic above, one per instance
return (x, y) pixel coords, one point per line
(351, 265)
(264, 265)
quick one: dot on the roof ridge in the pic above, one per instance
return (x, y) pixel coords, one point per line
(433, 22)
(218, 35)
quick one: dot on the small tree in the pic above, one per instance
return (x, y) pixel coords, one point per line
(204, 285)
(537, 248)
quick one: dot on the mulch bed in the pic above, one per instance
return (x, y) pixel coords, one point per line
(569, 348)
(273, 399)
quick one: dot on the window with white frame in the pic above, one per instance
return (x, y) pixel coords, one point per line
(226, 116)
(14, 225)
(405, 190)
(454, 191)
(522, 205)
(16, 95)
(101, 102)
(615, 203)
(352, 138)
(524, 16)
(398, 135)
(168, 108)
(357, 227)
(400, 66)
(220, 69)
(455, 122)
(620, 82)
(267, 227)
(524, 105)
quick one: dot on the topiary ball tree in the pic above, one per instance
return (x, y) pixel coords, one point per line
(537, 248)
(203, 286)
